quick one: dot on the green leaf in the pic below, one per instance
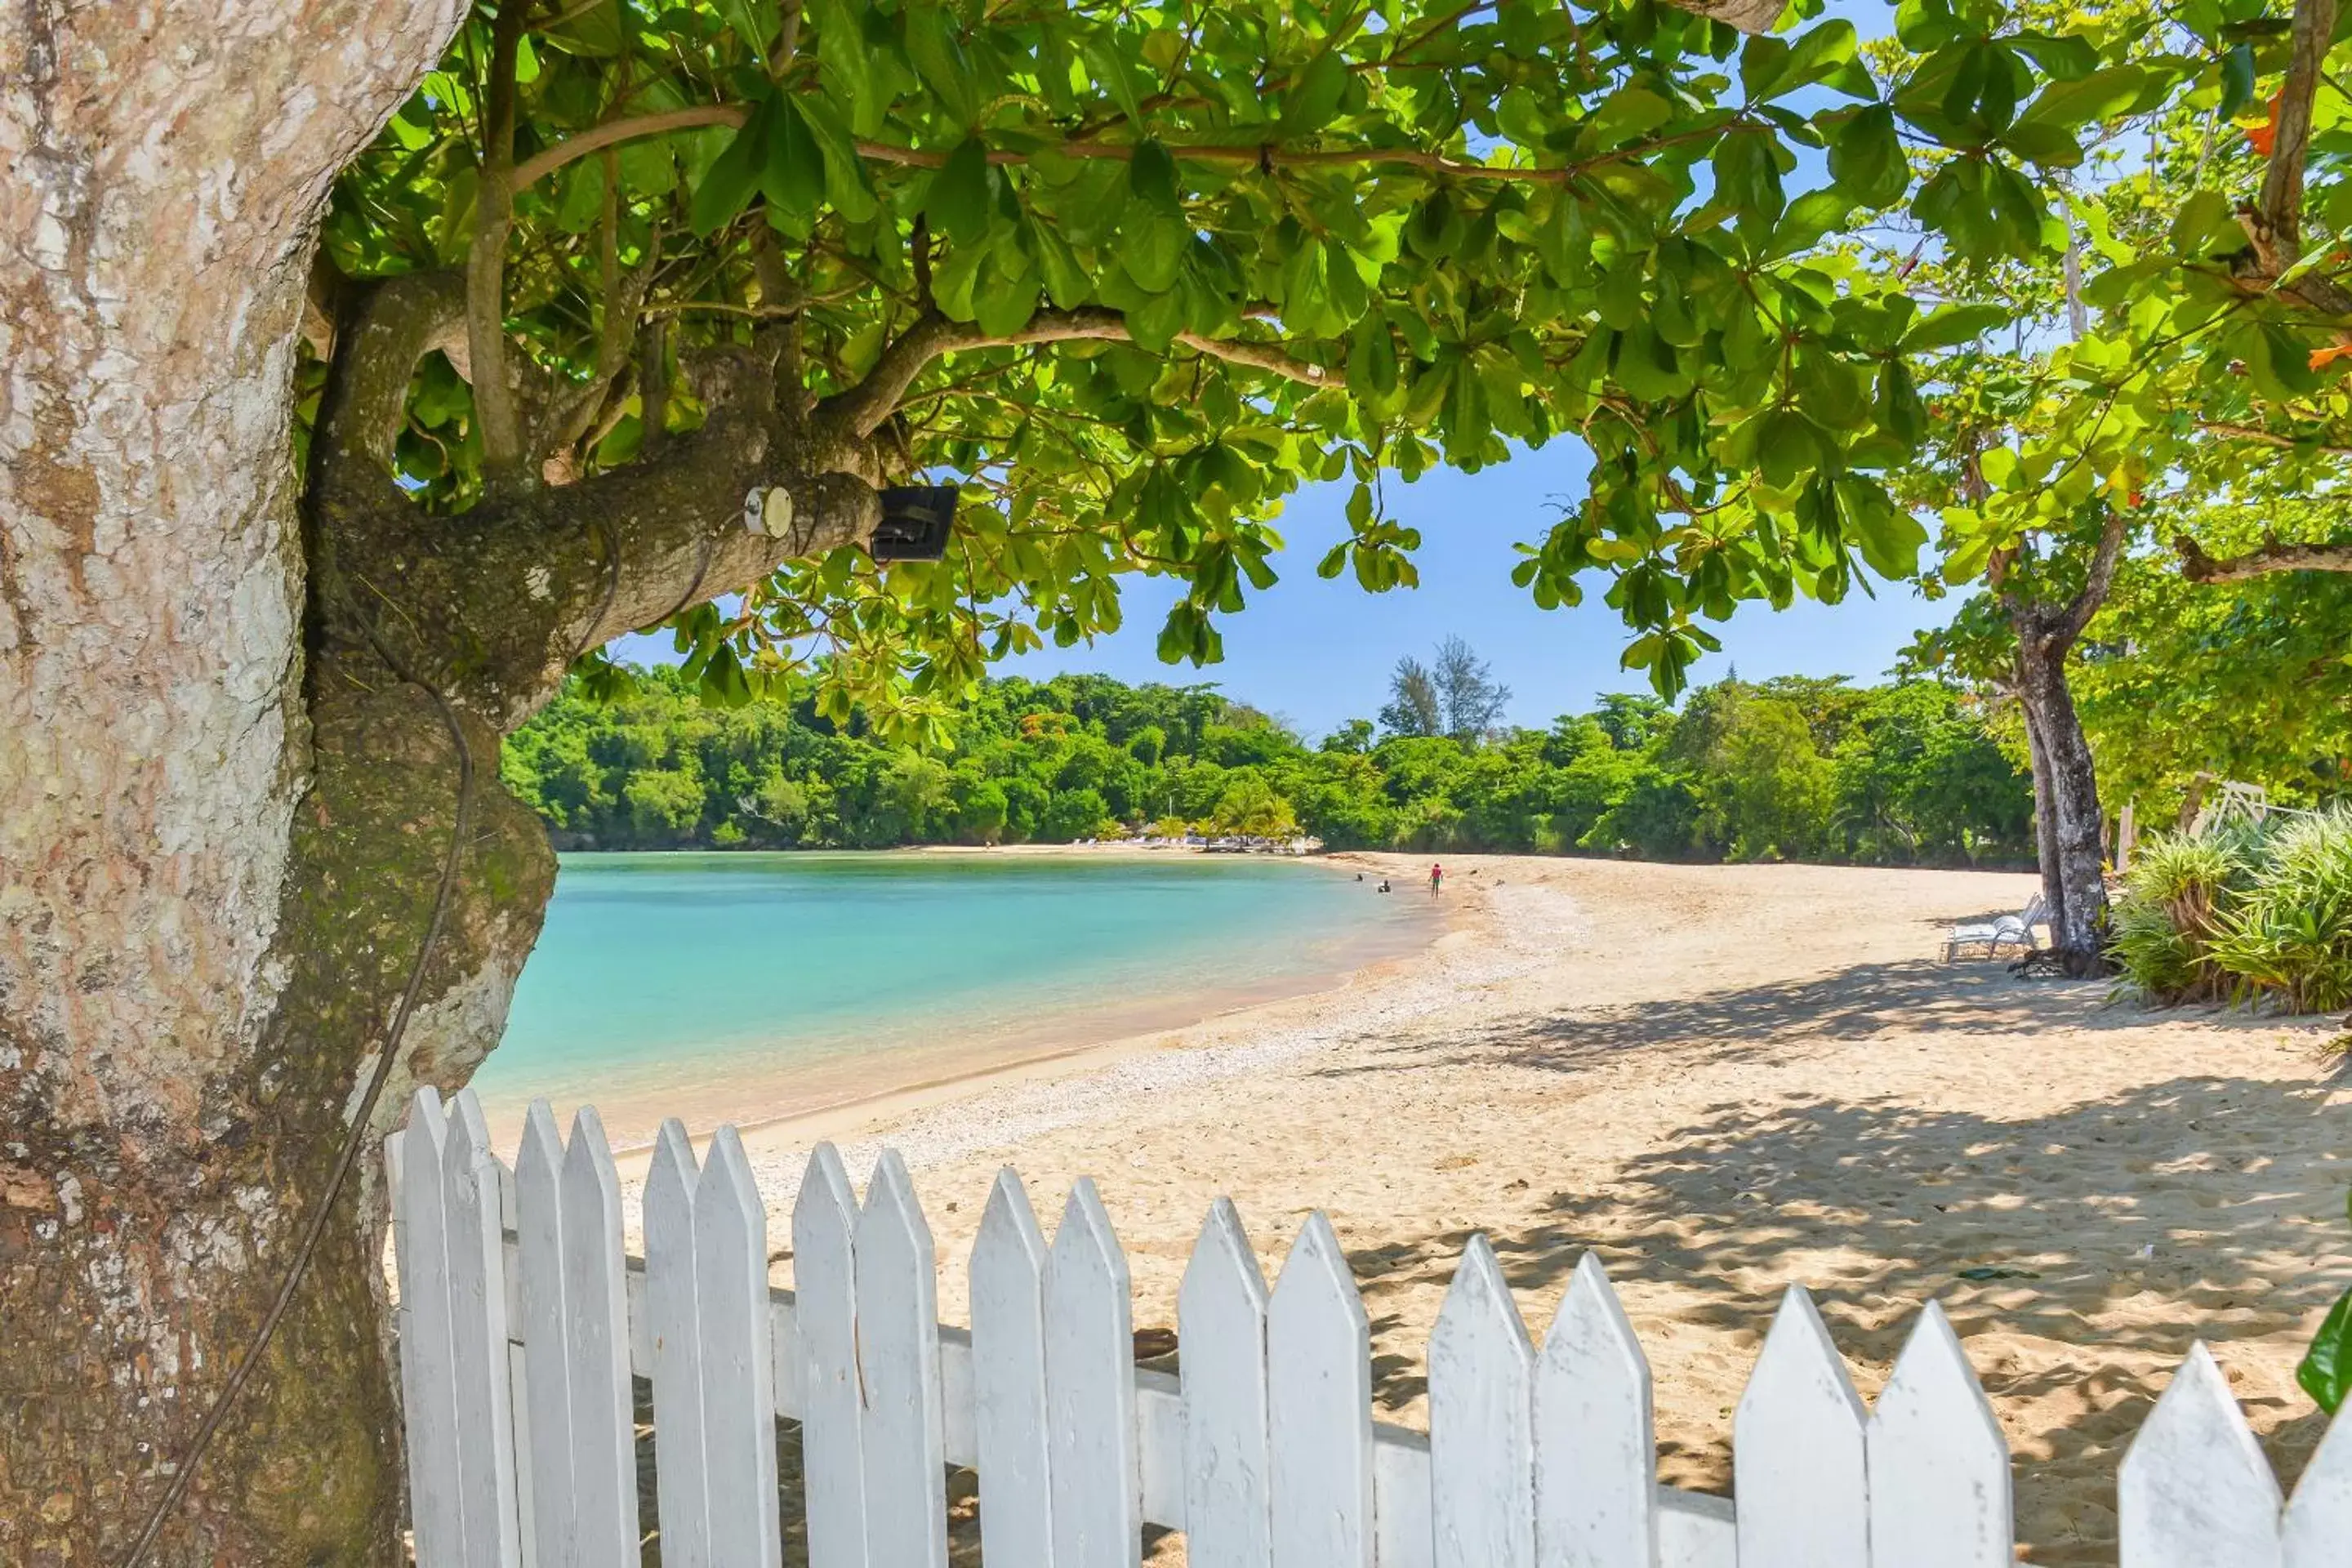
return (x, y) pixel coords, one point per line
(2206, 224)
(2326, 1371)
(940, 60)
(2237, 80)
(1067, 281)
(1373, 360)
(1786, 448)
(2048, 145)
(2089, 99)
(846, 65)
(2067, 56)
(1151, 176)
(1628, 112)
(1866, 157)
(2279, 362)
(734, 175)
(1898, 406)
(792, 176)
(722, 684)
(1748, 174)
(582, 199)
(1890, 537)
(1315, 97)
(1107, 59)
(958, 199)
(846, 188)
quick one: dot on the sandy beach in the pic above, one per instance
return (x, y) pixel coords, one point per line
(1723, 1079)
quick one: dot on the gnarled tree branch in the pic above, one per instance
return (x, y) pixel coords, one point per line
(2069, 623)
(858, 411)
(486, 258)
(2273, 556)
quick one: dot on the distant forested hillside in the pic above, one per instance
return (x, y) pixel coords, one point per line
(1903, 773)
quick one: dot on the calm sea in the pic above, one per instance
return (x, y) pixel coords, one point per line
(744, 987)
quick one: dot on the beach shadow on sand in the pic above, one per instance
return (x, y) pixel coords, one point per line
(1911, 997)
(2166, 1213)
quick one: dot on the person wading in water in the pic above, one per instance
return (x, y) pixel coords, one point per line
(1437, 879)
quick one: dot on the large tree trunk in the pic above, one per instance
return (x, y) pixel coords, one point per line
(2066, 803)
(184, 960)
(2045, 816)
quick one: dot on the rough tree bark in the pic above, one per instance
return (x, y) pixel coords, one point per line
(232, 707)
(2066, 779)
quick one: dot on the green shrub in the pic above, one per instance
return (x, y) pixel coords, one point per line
(2257, 914)
(2168, 914)
(2290, 936)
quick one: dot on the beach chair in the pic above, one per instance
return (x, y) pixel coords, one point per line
(2012, 931)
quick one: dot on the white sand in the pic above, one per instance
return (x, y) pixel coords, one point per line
(1724, 1079)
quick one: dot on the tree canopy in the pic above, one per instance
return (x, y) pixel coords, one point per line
(1132, 276)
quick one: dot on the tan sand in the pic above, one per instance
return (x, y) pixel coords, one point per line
(1724, 1079)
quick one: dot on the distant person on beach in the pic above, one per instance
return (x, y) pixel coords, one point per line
(1436, 880)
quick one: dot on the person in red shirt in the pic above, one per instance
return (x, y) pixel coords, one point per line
(1436, 877)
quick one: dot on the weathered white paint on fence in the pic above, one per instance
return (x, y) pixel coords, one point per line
(2318, 1520)
(1093, 1472)
(547, 1356)
(1547, 1458)
(479, 1333)
(1596, 1457)
(904, 1437)
(1481, 1417)
(824, 1277)
(596, 1337)
(739, 1397)
(1797, 1451)
(1220, 1323)
(1319, 1407)
(428, 1382)
(1939, 1466)
(2194, 1490)
(681, 1465)
(1008, 1384)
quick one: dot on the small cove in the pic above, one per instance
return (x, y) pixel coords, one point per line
(750, 987)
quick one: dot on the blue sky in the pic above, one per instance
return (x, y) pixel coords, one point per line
(1318, 653)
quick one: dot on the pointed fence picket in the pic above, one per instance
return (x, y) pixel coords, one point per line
(2194, 1488)
(1319, 1407)
(833, 1443)
(1797, 1452)
(2318, 1520)
(1221, 1312)
(682, 1465)
(1596, 1488)
(521, 1324)
(1482, 1422)
(575, 1341)
(1008, 1350)
(1938, 1468)
(903, 1441)
(1093, 1475)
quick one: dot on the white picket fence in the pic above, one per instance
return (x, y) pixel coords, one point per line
(522, 1322)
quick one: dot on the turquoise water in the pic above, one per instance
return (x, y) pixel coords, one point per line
(743, 987)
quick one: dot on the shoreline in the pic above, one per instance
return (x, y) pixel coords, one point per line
(878, 1086)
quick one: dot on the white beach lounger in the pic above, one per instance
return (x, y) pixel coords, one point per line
(2014, 930)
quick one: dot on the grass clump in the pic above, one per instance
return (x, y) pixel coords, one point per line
(2252, 914)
